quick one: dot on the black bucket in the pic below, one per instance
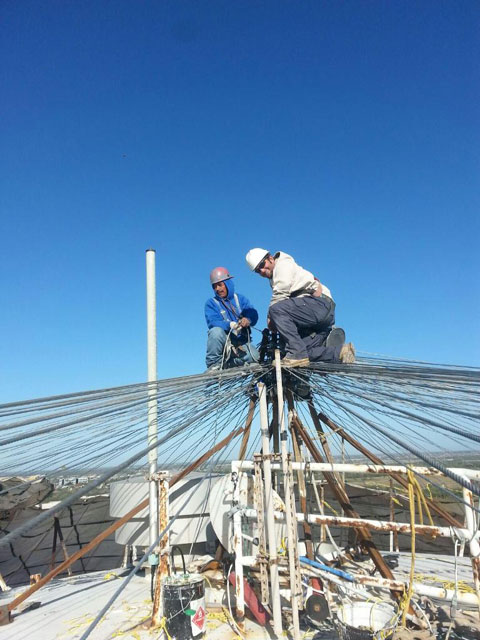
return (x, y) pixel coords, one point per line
(184, 606)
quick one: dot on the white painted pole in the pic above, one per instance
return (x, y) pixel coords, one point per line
(292, 532)
(152, 392)
(270, 519)
(238, 548)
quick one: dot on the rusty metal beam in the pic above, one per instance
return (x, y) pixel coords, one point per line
(302, 487)
(338, 490)
(248, 426)
(112, 528)
(163, 549)
(397, 477)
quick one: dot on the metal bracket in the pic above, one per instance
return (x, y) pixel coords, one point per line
(5, 614)
(235, 509)
(160, 475)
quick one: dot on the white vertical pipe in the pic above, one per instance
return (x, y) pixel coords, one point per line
(238, 547)
(152, 392)
(289, 507)
(270, 518)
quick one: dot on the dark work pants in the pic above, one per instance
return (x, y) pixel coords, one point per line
(304, 323)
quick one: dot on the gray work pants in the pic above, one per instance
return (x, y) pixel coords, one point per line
(304, 323)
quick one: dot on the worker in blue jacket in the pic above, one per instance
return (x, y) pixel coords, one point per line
(229, 316)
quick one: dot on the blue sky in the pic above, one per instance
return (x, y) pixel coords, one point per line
(344, 133)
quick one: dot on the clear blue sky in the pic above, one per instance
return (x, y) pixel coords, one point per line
(344, 133)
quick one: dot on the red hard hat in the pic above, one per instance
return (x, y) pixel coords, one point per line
(219, 274)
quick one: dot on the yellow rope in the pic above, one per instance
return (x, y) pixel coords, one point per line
(428, 488)
(396, 501)
(462, 586)
(224, 617)
(331, 508)
(408, 596)
(422, 502)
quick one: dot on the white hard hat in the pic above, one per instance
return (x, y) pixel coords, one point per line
(255, 256)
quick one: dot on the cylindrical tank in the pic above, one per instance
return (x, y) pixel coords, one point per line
(184, 606)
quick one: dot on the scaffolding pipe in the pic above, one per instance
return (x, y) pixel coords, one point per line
(375, 525)
(269, 517)
(292, 533)
(366, 468)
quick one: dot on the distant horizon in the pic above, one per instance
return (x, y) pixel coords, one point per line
(178, 466)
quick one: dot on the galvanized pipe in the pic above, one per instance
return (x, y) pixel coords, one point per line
(369, 468)
(293, 561)
(152, 411)
(465, 599)
(163, 549)
(238, 547)
(376, 525)
(269, 517)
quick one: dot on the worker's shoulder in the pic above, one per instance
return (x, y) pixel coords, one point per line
(243, 299)
(211, 303)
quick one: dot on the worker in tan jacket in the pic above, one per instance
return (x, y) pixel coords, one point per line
(302, 310)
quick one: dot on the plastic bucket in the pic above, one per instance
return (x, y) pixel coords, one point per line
(365, 620)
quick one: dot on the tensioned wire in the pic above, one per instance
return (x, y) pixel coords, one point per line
(86, 488)
(334, 386)
(445, 404)
(387, 449)
(100, 452)
(137, 567)
(172, 408)
(159, 385)
(95, 416)
(389, 437)
(215, 461)
(97, 444)
(105, 476)
(340, 380)
(471, 486)
(376, 367)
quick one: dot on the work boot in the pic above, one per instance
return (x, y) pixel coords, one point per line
(213, 367)
(295, 362)
(336, 337)
(347, 353)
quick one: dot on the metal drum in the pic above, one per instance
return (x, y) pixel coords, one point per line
(184, 606)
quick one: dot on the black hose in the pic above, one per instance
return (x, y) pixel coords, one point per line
(172, 558)
(153, 573)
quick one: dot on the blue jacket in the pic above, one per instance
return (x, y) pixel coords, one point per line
(216, 305)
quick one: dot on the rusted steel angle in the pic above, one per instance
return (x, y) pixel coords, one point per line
(396, 476)
(302, 490)
(113, 527)
(248, 426)
(341, 495)
(163, 568)
(262, 539)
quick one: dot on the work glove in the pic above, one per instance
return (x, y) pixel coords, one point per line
(235, 328)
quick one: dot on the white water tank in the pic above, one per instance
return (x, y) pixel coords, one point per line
(192, 524)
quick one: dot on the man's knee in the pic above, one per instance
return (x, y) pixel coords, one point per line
(217, 334)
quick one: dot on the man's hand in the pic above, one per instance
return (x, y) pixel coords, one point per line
(244, 323)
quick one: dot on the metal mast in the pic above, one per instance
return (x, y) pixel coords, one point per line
(152, 392)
